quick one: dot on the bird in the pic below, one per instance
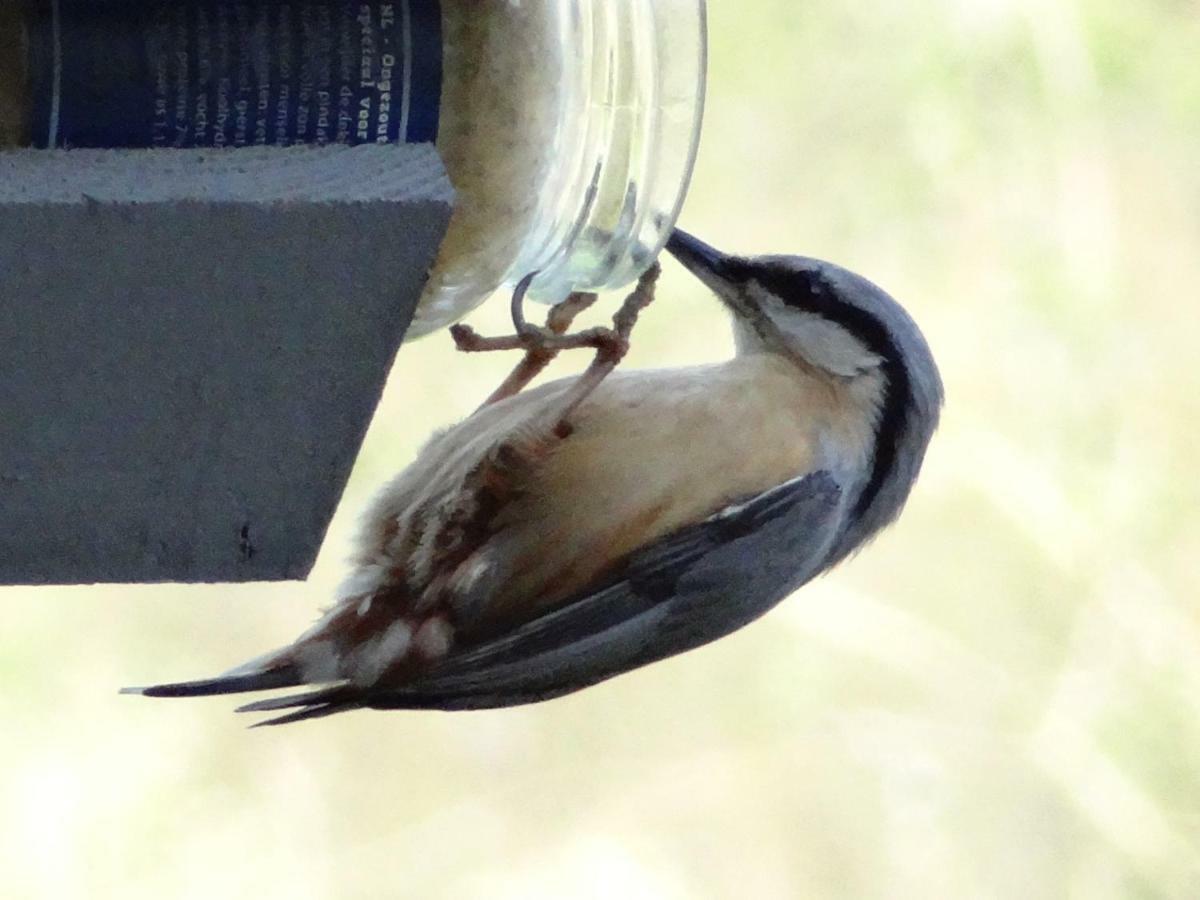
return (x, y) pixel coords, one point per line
(563, 535)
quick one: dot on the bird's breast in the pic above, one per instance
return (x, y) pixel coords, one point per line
(652, 452)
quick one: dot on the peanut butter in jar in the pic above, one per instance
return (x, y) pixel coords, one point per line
(14, 80)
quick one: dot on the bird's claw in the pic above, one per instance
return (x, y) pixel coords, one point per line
(542, 343)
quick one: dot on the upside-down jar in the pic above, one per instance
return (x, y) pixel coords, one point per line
(568, 128)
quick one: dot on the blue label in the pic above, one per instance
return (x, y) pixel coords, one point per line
(201, 73)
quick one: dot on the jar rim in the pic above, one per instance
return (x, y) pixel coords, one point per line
(626, 143)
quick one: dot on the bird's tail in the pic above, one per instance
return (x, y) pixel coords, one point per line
(231, 683)
(276, 669)
(269, 672)
(342, 656)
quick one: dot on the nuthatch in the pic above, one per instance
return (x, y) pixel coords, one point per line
(560, 536)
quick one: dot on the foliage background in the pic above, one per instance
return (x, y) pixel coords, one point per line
(999, 699)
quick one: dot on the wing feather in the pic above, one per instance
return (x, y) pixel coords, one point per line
(688, 589)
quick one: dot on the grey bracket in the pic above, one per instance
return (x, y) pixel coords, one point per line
(191, 348)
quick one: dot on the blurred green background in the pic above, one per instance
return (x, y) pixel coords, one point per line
(999, 699)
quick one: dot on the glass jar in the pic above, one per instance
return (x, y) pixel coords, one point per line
(567, 127)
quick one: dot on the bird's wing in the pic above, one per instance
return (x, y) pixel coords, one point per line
(691, 587)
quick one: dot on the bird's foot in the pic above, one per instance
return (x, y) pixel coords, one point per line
(610, 349)
(542, 343)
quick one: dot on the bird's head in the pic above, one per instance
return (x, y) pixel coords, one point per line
(833, 322)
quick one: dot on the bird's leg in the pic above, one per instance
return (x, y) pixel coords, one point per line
(488, 486)
(535, 337)
(537, 354)
(610, 350)
(558, 320)
(468, 340)
(541, 344)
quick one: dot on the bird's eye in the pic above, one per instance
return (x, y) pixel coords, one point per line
(795, 288)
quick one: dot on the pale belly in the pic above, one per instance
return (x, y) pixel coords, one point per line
(652, 452)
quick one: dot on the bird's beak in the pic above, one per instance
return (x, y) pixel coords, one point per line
(707, 263)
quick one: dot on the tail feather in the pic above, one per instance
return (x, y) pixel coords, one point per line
(335, 694)
(309, 712)
(233, 683)
(313, 704)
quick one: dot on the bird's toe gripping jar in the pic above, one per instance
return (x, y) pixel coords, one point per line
(568, 127)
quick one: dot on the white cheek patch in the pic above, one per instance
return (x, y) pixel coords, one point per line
(828, 345)
(818, 340)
